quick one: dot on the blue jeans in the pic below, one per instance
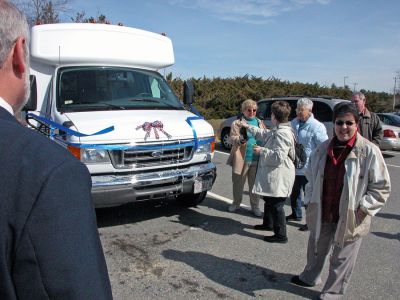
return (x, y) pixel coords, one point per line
(300, 182)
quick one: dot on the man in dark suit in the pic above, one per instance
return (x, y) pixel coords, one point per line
(49, 243)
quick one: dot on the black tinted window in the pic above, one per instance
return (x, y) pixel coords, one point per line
(261, 111)
(268, 104)
(392, 120)
(322, 112)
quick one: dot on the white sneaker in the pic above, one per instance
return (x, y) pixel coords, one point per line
(257, 212)
(232, 207)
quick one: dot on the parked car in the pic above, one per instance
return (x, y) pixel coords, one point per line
(322, 110)
(391, 131)
(389, 119)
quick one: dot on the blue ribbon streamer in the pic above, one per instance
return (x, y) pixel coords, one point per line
(189, 121)
(140, 147)
(53, 125)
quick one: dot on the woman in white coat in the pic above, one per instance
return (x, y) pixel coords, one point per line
(348, 183)
(275, 171)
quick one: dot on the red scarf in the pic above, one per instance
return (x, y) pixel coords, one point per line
(334, 178)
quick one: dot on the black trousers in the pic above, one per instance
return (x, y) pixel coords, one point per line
(274, 215)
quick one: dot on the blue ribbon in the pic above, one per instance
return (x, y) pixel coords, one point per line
(53, 125)
(189, 121)
(141, 147)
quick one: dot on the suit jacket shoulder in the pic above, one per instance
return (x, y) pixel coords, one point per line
(49, 243)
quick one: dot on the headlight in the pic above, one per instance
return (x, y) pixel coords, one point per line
(206, 146)
(93, 156)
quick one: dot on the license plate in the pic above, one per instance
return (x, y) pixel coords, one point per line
(201, 185)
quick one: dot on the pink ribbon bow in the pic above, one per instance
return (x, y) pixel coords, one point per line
(156, 126)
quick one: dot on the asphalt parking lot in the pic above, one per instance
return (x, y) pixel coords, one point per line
(157, 250)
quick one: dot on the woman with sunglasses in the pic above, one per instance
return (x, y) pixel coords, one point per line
(348, 183)
(242, 159)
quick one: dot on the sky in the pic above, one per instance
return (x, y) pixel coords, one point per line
(324, 41)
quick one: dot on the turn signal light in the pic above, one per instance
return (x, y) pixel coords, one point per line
(212, 146)
(75, 151)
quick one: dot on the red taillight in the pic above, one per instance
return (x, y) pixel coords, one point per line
(388, 133)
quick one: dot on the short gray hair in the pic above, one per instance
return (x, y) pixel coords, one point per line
(305, 102)
(360, 95)
(13, 24)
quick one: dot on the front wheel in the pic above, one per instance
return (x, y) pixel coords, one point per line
(225, 141)
(192, 200)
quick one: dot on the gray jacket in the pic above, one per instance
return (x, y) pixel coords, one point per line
(366, 186)
(370, 127)
(275, 172)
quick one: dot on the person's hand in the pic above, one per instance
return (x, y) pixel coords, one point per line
(243, 124)
(360, 216)
(256, 149)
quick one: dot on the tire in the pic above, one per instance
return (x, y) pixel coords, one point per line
(225, 138)
(192, 200)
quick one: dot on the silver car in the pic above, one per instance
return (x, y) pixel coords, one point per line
(391, 131)
(322, 110)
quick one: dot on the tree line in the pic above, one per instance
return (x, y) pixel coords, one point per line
(219, 98)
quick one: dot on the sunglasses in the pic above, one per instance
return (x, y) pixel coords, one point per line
(341, 123)
(251, 110)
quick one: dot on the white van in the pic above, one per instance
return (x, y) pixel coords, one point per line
(100, 95)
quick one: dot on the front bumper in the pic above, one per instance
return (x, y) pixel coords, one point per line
(114, 190)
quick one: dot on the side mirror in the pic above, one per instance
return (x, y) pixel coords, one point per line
(188, 91)
(31, 105)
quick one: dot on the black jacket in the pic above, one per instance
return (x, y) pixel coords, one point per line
(49, 243)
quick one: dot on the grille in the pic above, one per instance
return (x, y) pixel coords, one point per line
(167, 153)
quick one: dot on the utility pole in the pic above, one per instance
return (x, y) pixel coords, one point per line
(344, 81)
(394, 90)
(354, 89)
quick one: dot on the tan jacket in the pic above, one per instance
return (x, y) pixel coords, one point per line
(236, 157)
(366, 186)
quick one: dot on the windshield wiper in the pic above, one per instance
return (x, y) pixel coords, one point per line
(104, 103)
(154, 101)
(143, 100)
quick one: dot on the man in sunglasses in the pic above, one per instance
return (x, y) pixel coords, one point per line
(348, 183)
(369, 125)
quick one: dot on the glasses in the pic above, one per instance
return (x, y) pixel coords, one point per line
(251, 110)
(341, 123)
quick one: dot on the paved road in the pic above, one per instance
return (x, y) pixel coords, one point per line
(165, 251)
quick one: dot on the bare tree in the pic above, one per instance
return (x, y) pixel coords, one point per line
(81, 18)
(43, 11)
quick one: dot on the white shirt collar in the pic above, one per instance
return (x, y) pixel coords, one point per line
(6, 106)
